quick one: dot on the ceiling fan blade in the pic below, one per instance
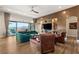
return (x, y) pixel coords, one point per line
(35, 11)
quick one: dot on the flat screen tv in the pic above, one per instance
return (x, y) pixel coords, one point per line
(47, 26)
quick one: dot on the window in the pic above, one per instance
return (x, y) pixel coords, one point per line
(15, 26)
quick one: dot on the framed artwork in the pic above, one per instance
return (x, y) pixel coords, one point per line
(73, 25)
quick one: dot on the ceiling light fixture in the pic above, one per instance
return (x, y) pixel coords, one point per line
(33, 10)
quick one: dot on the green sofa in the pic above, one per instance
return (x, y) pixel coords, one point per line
(25, 36)
(33, 32)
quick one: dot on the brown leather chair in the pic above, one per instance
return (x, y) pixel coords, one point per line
(63, 34)
(61, 39)
(47, 42)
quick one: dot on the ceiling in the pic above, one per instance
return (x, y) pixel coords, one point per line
(25, 10)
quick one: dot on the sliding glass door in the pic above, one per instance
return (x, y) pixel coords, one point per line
(15, 26)
(22, 26)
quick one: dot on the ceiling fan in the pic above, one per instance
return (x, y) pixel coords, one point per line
(34, 10)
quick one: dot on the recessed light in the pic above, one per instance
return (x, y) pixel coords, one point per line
(64, 12)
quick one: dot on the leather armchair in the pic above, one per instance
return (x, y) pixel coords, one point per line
(61, 38)
(47, 42)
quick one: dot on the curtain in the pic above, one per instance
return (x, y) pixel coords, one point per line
(6, 18)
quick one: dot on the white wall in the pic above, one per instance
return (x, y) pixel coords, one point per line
(38, 27)
(14, 17)
(71, 32)
(2, 25)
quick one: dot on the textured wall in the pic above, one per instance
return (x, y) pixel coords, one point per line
(71, 32)
(62, 17)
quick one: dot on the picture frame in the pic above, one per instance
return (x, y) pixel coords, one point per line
(73, 25)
